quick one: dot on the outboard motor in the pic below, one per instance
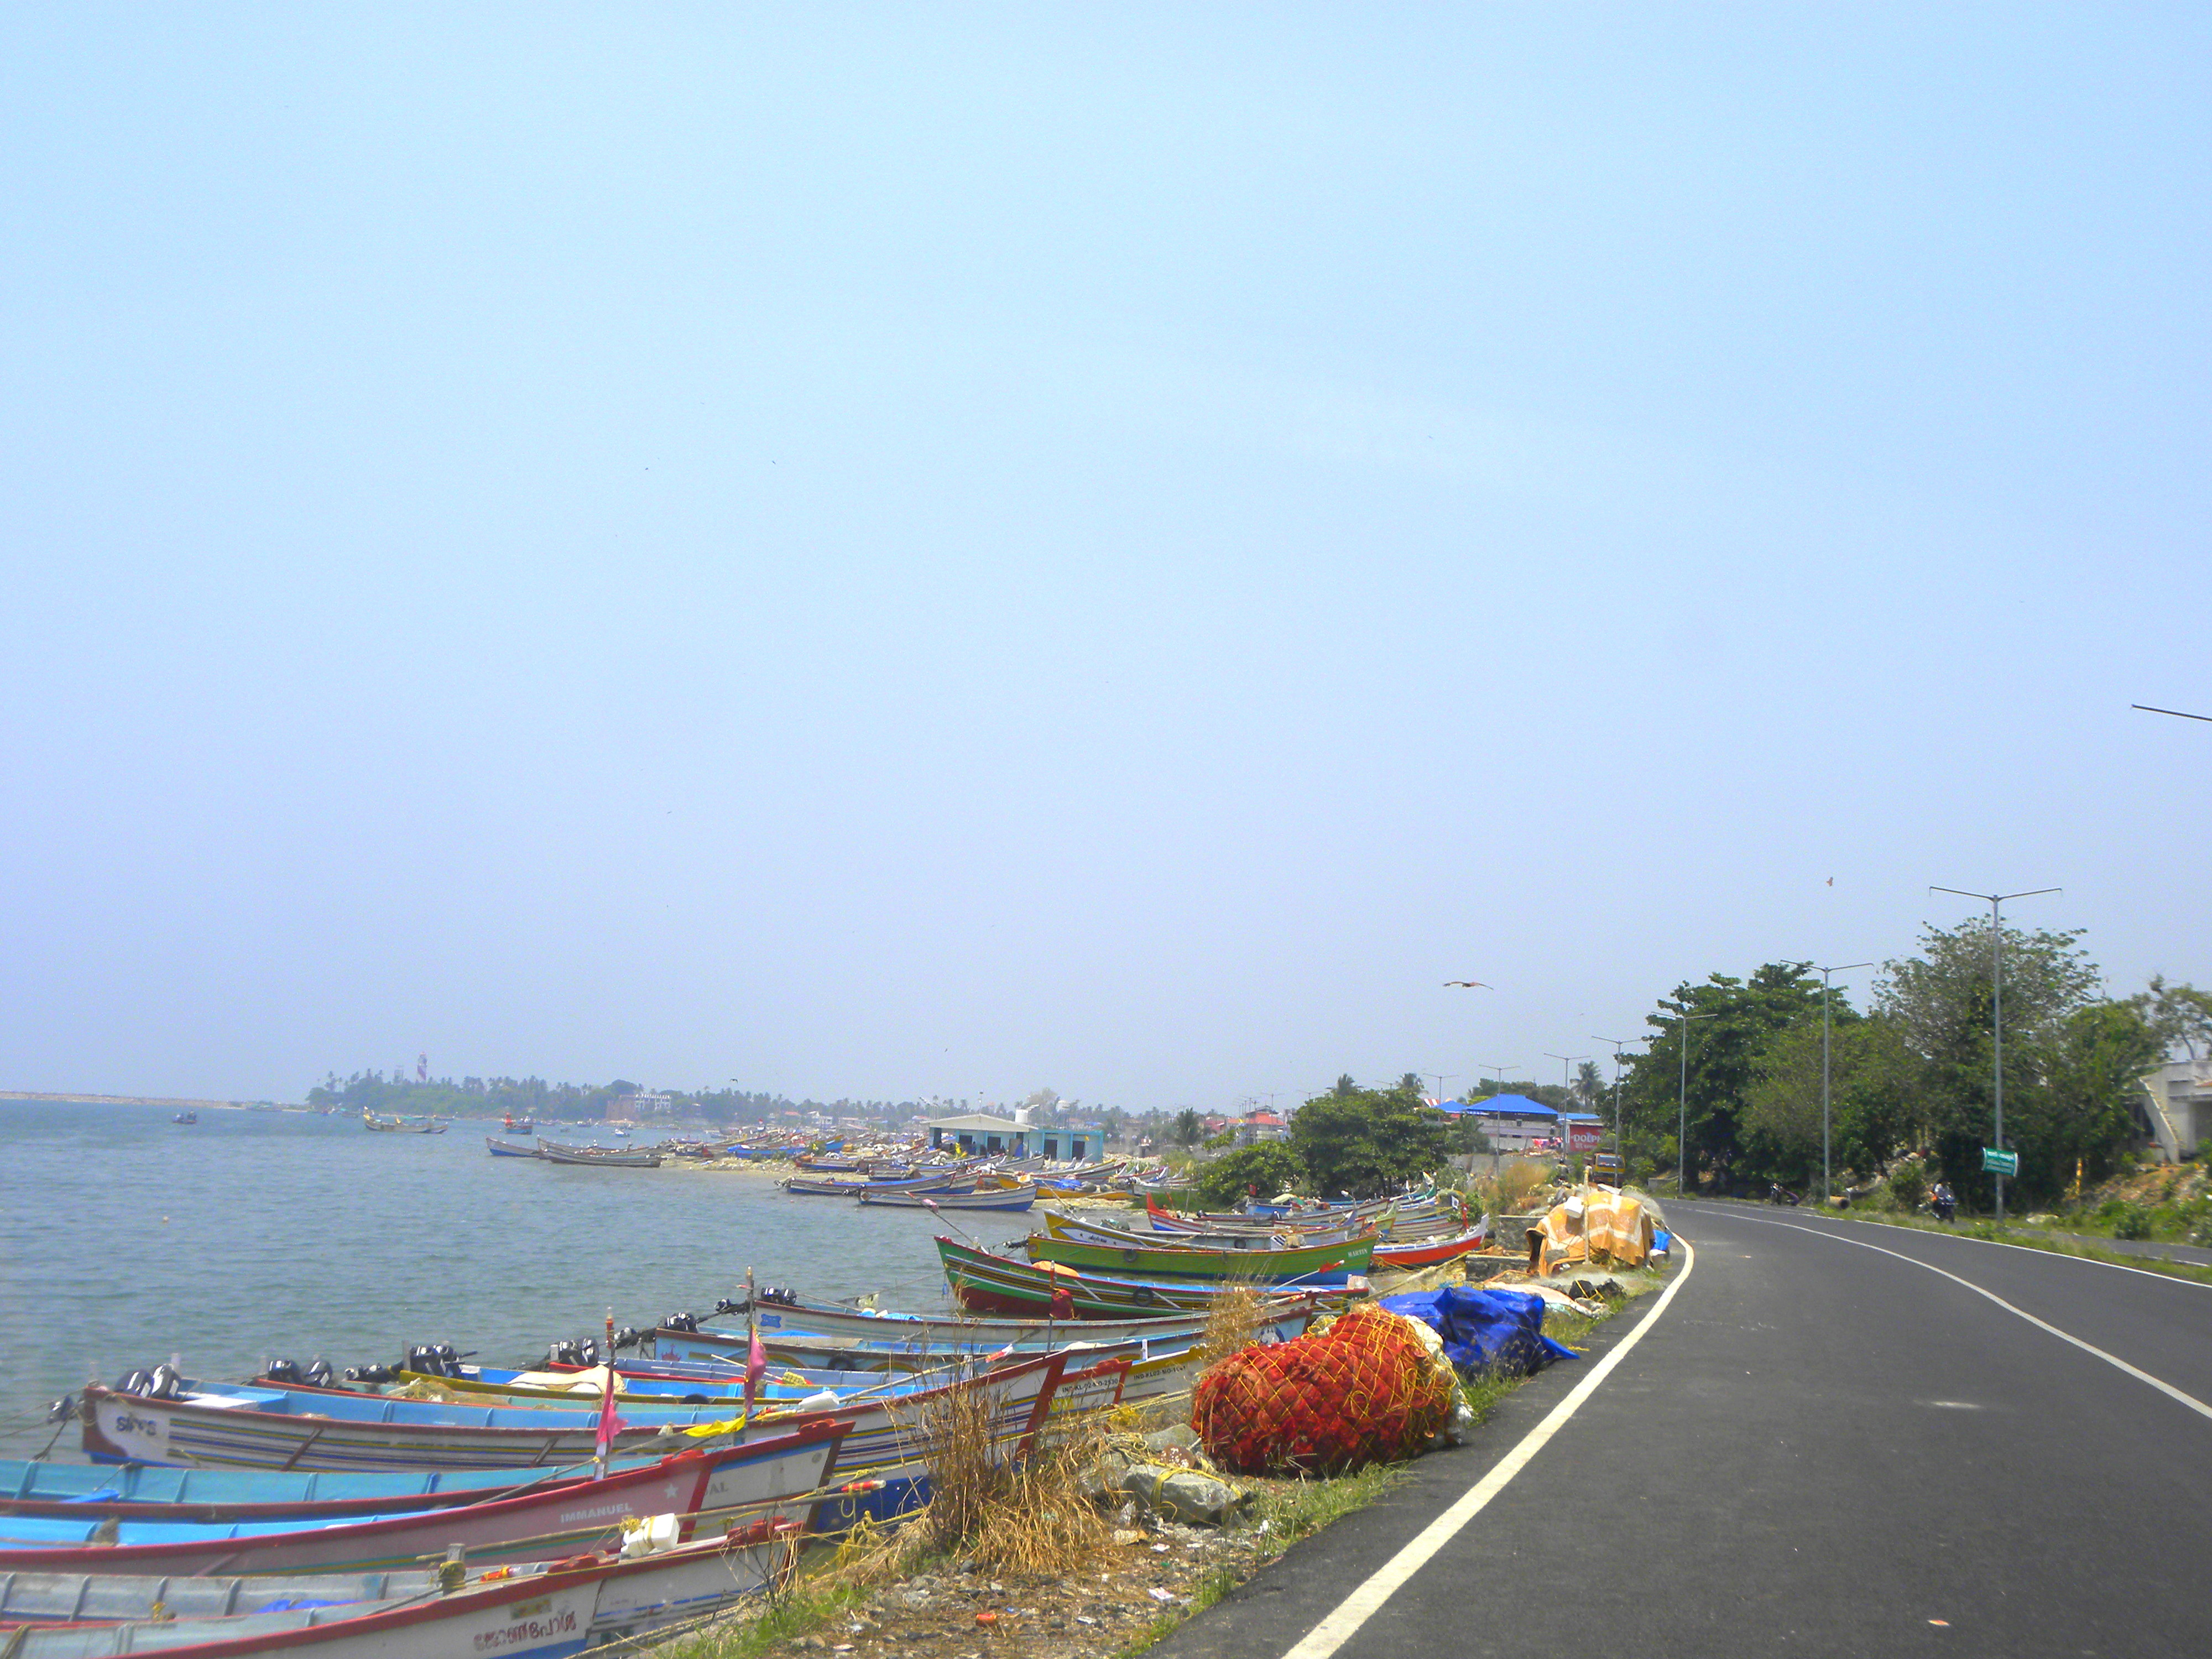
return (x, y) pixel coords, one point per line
(680, 1321)
(318, 1374)
(163, 1383)
(627, 1337)
(283, 1372)
(565, 1351)
(133, 1382)
(369, 1374)
(449, 1360)
(587, 1353)
(429, 1360)
(62, 1409)
(724, 1305)
(782, 1295)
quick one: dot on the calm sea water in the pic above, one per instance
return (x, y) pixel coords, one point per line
(125, 1239)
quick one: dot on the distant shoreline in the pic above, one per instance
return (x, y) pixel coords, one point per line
(135, 1100)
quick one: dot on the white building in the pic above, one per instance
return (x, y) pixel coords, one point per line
(2176, 1106)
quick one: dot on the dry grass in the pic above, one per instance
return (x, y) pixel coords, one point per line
(1232, 1325)
(1519, 1184)
(1014, 1515)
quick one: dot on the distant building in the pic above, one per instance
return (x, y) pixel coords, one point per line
(978, 1134)
(1259, 1126)
(627, 1109)
(2175, 1107)
(1074, 1142)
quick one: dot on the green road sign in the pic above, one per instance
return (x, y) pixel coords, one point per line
(1996, 1162)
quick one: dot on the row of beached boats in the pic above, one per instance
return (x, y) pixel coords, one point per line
(449, 1510)
(459, 1510)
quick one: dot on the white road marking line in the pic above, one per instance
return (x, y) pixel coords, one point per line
(1367, 1598)
(2005, 1244)
(2112, 1359)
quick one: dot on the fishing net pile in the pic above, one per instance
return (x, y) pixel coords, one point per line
(1369, 1390)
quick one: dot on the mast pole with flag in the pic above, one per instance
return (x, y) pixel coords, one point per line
(610, 1425)
(755, 1359)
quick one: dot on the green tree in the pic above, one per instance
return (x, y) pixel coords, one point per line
(1589, 1085)
(2178, 1016)
(1366, 1142)
(1189, 1128)
(2082, 1117)
(1271, 1166)
(1736, 1021)
(1942, 1002)
(1871, 1099)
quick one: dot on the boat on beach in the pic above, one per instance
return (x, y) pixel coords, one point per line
(1332, 1263)
(499, 1148)
(777, 1478)
(544, 1612)
(607, 1157)
(145, 1492)
(1000, 1284)
(267, 1428)
(1004, 1198)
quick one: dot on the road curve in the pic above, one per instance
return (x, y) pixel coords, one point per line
(1819, 1448)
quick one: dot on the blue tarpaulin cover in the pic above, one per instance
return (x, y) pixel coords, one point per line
(1484, 1329)
(1502, 1106)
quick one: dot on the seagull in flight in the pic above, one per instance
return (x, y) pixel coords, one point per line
(1470, 984)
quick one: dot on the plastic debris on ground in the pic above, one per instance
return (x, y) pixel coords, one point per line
(1483, 1329)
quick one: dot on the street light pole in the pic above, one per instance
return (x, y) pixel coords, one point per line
(1619, 1150)
(1565, 1060)
(1996, 1002)
(1827, 1185)
(1442, 1078)
(1682, 1107)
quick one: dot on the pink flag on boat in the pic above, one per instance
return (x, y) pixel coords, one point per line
(756, 1368)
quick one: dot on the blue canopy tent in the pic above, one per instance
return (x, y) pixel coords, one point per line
(1503, 1106)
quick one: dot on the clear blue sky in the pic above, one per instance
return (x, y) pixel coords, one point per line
(883, 551)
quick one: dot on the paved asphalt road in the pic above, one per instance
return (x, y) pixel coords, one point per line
(1816, 1448)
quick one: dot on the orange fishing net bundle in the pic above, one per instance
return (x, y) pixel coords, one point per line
(1366, 1390)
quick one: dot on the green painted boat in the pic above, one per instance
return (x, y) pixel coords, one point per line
(1319, 1265)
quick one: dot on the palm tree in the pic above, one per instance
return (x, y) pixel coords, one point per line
(1189, 1128)
(1590, 1085)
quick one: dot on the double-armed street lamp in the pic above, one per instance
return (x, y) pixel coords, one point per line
(1996, 1005)
(1566, 1134)
(1828, 1190)
(1620, 1147)
(1682, 1107)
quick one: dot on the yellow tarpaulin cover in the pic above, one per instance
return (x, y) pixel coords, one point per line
(1596, 1223)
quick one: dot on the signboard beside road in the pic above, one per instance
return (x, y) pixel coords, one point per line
(1996, 1162)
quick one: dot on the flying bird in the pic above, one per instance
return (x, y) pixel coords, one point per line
(1471, 984)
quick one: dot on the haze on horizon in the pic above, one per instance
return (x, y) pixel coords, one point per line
(882, 552)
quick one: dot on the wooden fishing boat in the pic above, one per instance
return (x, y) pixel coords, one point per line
(1430, 1253)
(604, 1157)
(932, 1184)
(779, 1478)
(188, 1119)
(1015, 1198)
(140, 1492)
(1089, 1231)
(1330, 1264)
(518, 1126)
(508, 1149)
(547, 1612)
(861, 1336)
(274, 1429)
(1000, 1285)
